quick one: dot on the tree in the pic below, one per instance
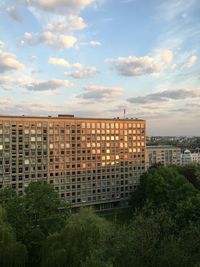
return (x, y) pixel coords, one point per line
(163, 188)
(12, 253)
(192, 173)
(46, 211)
(81, 243)
(34, 216)
(154, 241)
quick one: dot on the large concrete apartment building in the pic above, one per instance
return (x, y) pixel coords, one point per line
(96, 162)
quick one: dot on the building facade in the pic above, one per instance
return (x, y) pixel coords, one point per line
(164, 155)
(188, 157)
(96, 162)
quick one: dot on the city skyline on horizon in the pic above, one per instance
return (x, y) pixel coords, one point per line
(95, 58)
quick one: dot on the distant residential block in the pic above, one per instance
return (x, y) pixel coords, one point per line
(188, 157)
(164, 155)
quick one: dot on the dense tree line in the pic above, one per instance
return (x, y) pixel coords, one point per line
(162, 229)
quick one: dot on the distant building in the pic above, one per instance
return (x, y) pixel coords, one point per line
(188, 157)
(164, 155)
(95, 162)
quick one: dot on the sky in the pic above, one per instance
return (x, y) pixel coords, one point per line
(98, 57)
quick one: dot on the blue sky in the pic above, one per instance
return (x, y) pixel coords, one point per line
(97, 57)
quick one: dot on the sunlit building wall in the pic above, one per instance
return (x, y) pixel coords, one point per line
(96, 162)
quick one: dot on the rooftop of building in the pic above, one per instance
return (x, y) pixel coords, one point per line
(68, 117)
(162, 147)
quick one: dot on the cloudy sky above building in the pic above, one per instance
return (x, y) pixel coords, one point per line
(97, 57)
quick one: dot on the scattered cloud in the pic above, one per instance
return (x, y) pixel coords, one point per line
(49, 85)
(28, 37)
(71, 23)
(64, 63)
(11, 106)
(191, 61)
(82, 74)
(166, 95)
(5, 101)
(13, 13)
(79, 71)
(8, 61)
(167, 55)
(59, 61)
(1, 44)
(97, 93)
(34, 84)
(59, 41)
(135, 66)
(6, 79)
(58, 6)
(92, 43)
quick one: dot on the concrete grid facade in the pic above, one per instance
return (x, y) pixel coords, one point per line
(165, 155)
(96, 162)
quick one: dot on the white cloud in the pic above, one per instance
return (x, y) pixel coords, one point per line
(58, 6)
(6, 79)
(31, 84)
(71, 23)
(59, 61)
(191, 61)
(77, 65)
(5, 101)
(1, 44)
(8, 61)
(82, 74)
(65, 41)
(79, 71)
(64, 63)
(41, 108)
(135, 66)
(58, 41)
(28, 37)
(13, 13)
(97, 93)
(49, 85)
(167, 55)
(92, 43)
(166, 95)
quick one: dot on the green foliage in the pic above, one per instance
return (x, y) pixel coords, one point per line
(44, 208)
(12, 253)
(192, 173)
(34, 216)
(162, 227)
(155, 241)
(164, 188)
(80, 243)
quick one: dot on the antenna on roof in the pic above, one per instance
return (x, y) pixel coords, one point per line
(124, 113)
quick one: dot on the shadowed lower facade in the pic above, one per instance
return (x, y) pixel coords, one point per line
(95, 162)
